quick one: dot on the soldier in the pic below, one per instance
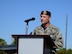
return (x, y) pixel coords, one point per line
(46, 28)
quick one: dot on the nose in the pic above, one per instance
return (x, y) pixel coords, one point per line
(41, 18)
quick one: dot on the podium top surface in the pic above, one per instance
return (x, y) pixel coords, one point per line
(31, 36)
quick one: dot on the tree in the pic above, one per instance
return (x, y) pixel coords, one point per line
(69, 51)
(2, 42)
(62, 51)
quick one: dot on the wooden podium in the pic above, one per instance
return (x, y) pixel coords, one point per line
(33, 44)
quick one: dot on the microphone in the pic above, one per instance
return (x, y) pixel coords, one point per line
(29, 19)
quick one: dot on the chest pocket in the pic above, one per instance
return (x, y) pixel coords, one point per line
(40, 32)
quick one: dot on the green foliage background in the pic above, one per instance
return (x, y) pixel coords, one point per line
(62, 51)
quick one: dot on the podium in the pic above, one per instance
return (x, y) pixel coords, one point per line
(33, 44)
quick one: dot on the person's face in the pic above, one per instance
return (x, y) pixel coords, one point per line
(45, 18)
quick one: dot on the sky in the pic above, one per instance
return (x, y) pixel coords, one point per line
(13, 13)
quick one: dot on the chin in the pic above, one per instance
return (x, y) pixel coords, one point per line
(43, 23)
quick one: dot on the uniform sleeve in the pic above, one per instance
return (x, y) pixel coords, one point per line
(59, 40)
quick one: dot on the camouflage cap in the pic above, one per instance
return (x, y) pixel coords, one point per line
(46, 12)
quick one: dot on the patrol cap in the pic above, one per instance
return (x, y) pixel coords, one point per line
(46, 12)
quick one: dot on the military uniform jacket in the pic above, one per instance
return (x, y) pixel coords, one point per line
(54, 33)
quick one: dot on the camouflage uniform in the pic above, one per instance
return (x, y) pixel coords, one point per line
(54, 33)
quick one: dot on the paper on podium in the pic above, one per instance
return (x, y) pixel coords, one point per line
(30, 46)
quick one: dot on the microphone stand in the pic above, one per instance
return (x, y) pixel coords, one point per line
(27, 27)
